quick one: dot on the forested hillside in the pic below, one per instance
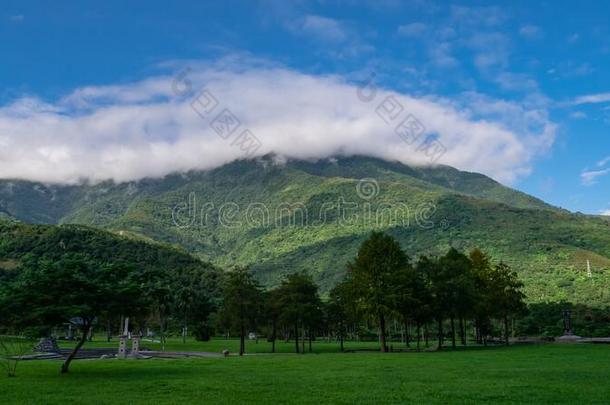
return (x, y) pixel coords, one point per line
(284, 216)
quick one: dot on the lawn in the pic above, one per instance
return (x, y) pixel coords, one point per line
(218, 345)
(527, 374)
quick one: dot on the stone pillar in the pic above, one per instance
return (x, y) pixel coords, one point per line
(135, 345)
(122, 347)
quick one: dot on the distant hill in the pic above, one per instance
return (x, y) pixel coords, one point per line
(284, 216)
(52, 242)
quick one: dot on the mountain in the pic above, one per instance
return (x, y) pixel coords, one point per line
(52, 242)
(283, 216)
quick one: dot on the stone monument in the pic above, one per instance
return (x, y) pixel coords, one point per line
(47, 345)
(568, 335)
(122, 347)
(135, 345)
(123, 339)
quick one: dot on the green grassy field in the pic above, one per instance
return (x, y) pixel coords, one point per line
(526, 374)
(218, 345)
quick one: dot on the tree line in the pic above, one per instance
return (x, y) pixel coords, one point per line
(439, 297)
(382, 285)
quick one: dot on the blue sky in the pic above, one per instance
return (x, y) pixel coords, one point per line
(548, 63)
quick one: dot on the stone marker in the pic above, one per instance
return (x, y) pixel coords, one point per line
(123, 338)
(47, 345)
(135, 345)
(568, 335)
(122, 347)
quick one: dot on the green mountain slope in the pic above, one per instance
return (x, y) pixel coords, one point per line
(20, 240)
(280, 217)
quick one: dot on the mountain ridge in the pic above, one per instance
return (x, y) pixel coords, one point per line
(430, 209)
(440, 175)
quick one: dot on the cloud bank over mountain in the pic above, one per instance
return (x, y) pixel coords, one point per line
(165, 123)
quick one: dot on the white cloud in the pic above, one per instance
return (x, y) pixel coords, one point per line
(603, 162)
(605, 212)
(322, 28)
(578, 115)
(590, 177)
(516, 81)
(440, 55)
(592, 99)
(572, 39)
(130, 131)
(530, 31)
(478, 16)
(491, 49)
(415, 29)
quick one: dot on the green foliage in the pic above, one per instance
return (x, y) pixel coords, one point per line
(300, 305)
(381, 283)
(12, 350)
(374, 276)
(545, 320)
(243, 302)
(65, 273)
(71, 290)
(548, 247)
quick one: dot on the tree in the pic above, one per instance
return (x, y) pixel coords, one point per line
(272, 313)
(243, 300)
(160, 294)
(340, 309)
(498, 294)
(407, 301)
(438, 293)
(300, 305)
(457, 269)
(48, 294)
(455, 288)
(191, 298)
(505, 288)
(374, 275)
(421, 311)
(483, 305)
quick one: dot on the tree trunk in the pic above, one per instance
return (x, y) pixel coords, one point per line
(506, 330)
(384, 347)
(66, 365)
(440, 334)
(310, 341)
(407, 333)
(162, 333)
(462, 332)
(477, 331)
(296, 336)
(452, 332)
(418, 331)
(426, 334)
(242, 339)
(273, 335)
